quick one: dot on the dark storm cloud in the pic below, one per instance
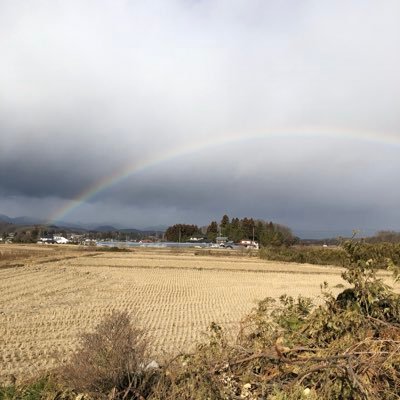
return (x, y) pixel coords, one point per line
(88, 87)
(268, 185)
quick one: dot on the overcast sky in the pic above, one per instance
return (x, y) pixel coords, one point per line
(290, 109)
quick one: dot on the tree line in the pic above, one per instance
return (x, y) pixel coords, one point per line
(235, 229)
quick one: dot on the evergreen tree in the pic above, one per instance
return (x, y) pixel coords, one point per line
(259, 231)
(212, 231)
(225, 225)
(181, 232)
(247, 227)
(236, 233)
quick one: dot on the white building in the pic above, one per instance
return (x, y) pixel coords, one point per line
(249, 244)
(60, 240)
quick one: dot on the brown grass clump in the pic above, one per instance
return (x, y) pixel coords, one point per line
(109, 359)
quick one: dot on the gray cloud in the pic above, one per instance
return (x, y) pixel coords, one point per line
(88, 87)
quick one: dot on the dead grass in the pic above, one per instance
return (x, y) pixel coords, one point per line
(44, 307)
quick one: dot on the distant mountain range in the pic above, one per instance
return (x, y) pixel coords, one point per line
(28, 221)
(20, 220)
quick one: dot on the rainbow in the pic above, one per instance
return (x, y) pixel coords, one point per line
(186, 149)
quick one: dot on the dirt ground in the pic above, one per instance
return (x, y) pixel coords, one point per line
(51, 294)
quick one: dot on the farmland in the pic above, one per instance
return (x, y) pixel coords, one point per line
(49, 295)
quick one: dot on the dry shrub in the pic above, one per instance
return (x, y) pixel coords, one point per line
(110, 358)
(378, 252)
(304, 254)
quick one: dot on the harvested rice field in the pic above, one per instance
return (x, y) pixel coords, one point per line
(49, 295)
